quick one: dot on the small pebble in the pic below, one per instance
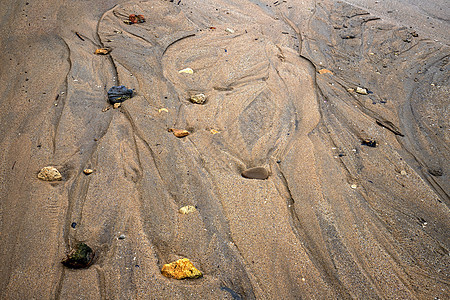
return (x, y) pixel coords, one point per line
(102, 51)
(353, 186)
(122, 237)
(256, 173)
(186, 71)
(361, 91)
(198, 98)
(73, 225)
(49, 174)
(179, 133)
(88, 171)
(187, 209)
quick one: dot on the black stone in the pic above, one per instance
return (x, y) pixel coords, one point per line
(118, 94)
(81, 256)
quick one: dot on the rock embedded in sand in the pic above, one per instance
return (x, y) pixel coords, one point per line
(186, 71)
(181, 269)
(88, 171)
(362, 91)
(118, 94)
(102, 51)
(325, 71)
(436, 172)
(256, 173)
(187, 209)
(198, 98)
(49, 174)
(369, 143)
(81, 256)
(179, 133)
(117, 105)
(134, 19)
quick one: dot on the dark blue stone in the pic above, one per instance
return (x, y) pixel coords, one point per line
(118, 94)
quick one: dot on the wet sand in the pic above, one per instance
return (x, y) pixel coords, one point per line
(336, 219)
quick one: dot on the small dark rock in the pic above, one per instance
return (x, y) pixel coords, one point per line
(369, 142)
(118, 94)
(435, 172)
(73, 225)
(256, 173)
(79, 257)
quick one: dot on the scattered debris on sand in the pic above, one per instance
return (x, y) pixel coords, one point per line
(49, 174)
(181, 269)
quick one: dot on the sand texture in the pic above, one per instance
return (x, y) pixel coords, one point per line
(350, 195)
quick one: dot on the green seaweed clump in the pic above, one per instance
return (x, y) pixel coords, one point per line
(80, 257)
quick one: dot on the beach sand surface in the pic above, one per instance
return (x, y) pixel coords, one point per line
(356, 201)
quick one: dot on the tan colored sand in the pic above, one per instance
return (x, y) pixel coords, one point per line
(335, 219)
